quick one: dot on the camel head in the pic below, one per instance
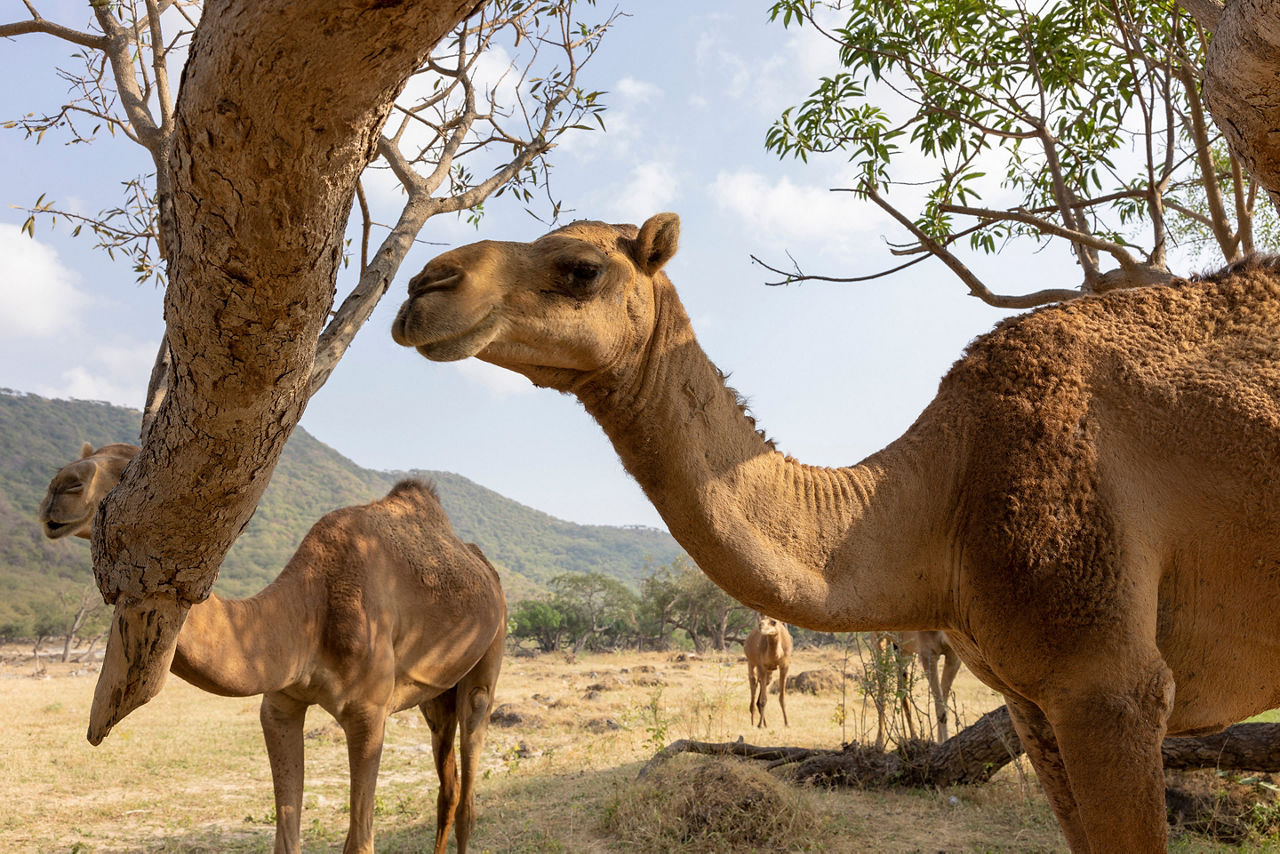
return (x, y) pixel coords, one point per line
(574, 301)
(78, 487)
(768, 626)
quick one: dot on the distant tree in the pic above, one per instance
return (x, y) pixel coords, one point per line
(659, 594)
(707, 614)
(537, 620)
(1089, 114)
(80, 611)
(595, 607)
(46, 623)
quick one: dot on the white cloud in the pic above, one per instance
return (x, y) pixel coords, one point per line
(38, 295)
(499, 382)
(114, 373)
(637, 90)
(716, 58)
(651, 188)
(495, 81)
(779, 209)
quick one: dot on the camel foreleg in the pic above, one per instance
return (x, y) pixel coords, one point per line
(282, 719)
(364, 725)
(762, 698)
(1109, 736)
(752, 682)
(950, 667)
(904, 694)
(782, 692)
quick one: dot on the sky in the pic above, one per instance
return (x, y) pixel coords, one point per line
(832, 372)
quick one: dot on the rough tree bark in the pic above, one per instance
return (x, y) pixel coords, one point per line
(1242, 66)
(279, 110)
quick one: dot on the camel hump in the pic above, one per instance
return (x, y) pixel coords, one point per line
(419, 497)
(416, 490)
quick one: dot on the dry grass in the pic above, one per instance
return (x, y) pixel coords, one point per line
(188, 773)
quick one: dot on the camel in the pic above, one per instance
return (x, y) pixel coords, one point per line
(1087, 507)
(381, 608)
(78, 488)
(768, 648)
(931, 648)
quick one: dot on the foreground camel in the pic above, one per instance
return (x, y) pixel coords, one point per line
(380, 609)
(932, 648)
(1089, 507)
(768, 648)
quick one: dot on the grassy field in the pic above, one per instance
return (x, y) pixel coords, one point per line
(187, 772)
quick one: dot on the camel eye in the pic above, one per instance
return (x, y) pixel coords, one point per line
(580, 278)
(74, 488)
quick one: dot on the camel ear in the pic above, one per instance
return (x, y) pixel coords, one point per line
(658, 240)
(86, 450)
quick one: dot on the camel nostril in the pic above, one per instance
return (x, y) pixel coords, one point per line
(439, 279)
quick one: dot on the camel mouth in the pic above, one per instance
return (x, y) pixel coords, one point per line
(57, 530)
(458, 346)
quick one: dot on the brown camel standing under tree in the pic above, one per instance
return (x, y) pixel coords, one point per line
(1089, 507)
(768, 648)
(380, 609)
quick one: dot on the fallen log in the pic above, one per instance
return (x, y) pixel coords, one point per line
(975, 754)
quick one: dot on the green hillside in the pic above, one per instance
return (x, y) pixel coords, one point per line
(38, 436)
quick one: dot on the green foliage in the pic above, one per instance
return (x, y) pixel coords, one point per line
(537, 620)
(1086, 113)
(597, 611)
(39, 436)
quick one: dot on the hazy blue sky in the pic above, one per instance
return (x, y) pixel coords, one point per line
(832, 372)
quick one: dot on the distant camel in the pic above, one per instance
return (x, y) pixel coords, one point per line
(381, 608)
(929, 647)
(768, 648)
(1089, 507)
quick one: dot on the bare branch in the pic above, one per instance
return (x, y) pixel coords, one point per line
(119, 49)
(1115, 250)
(1244, 204)
(46, 27)
(975, 285)
(799, 276)
(1219, 224)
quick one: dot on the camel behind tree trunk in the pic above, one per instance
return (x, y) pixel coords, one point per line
(380, 609)
(1089, 507)
(768, 648)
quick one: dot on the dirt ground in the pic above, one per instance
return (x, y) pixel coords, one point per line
(188, 773)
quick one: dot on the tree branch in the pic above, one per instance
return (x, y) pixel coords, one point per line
(1206, 12)
(45, 27)
(975, 285)
(1121, 254)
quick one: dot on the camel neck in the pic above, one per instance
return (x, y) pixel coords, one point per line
(242, 647)
(838, 549)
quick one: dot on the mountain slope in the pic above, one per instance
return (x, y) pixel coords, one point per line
(38, 436)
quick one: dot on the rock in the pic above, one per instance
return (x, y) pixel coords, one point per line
(814, 682)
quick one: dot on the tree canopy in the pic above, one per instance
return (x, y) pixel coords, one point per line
(1062, 119)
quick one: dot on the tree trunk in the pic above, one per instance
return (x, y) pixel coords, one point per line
(976, 753)
(279, 110)
(1242, 64)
